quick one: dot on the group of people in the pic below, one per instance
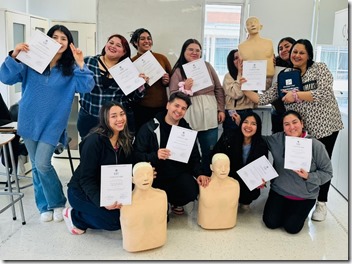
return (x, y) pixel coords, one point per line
(120, 129)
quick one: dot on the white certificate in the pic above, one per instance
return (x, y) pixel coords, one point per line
(42, 50)
(148, 65)
(197, 70)
(278, 69)
(116, 184)
(255, 73)
(253, 173)
(180, 143)
(298, 153)
(126, 75)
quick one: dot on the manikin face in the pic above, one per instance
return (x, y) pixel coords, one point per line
(114, 49)
(284, 50)
(192, 52)
(293, 127)
(143, 177)
(60, 37)
(221, 168)
(299, 56)
(249, 127)
(144, 43)
(117, 118)
(253, 26)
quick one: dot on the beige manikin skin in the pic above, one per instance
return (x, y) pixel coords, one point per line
(144, 222)
(256, 47)
(218, 202)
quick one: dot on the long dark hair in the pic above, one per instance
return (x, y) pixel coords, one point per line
(230, 65)
(258, 134)
(278, 60)
(309, 48)
(182, 60)
(125, 45)
(136, 35)
(103, 128)
(67, 61)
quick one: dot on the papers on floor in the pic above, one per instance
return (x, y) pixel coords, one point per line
(42, 50)
(180, 143)
(253, 173)
(255, 73)
(116, 184)
(197, 70)
(298, 153)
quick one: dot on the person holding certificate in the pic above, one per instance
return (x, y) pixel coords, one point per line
(109, 143)
(155, 97)
(243, 146)
(208, 104)
(316, 103)
(44, 110)
(178, 179)
(236, 101)
(281, 61)
(106, 89)
(293, 193)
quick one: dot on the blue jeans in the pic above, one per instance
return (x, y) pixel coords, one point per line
(47, 185)
(85, 214)
(207, 140)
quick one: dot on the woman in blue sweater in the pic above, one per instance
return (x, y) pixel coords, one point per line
(44, 110)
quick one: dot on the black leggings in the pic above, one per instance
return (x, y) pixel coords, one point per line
(329, 143)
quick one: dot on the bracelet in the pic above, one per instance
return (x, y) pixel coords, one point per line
(295, 96)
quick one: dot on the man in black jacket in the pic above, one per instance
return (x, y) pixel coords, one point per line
(179, 180)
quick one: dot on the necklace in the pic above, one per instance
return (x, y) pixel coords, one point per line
(107, 65)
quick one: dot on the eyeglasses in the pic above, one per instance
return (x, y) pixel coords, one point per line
(194, 50)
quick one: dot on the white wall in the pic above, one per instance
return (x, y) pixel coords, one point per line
(63, 10)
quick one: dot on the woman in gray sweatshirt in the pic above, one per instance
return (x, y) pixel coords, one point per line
(294, 192)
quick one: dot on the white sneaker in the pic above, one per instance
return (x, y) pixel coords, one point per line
(46, 216)
(58, 214)
(320, 211)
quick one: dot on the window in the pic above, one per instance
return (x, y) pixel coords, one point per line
(221, 35)
(336, 58)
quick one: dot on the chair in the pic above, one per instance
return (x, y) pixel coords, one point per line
(5, 141)
(60, 148)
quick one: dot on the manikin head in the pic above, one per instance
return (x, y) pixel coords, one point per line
(142, 175)
(253, 25)
(220, 165)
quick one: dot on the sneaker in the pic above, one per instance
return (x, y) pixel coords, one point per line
(320, 211)
(58, 214)
(46, 216)
(66, 213)
(177, 210)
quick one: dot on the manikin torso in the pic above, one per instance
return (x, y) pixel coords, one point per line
(218, 202)
(144, 222)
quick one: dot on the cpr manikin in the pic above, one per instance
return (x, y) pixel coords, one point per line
(257, 48)
(218, 202)
(144, 222)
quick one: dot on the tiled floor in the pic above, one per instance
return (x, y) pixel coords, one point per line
(248, 240)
